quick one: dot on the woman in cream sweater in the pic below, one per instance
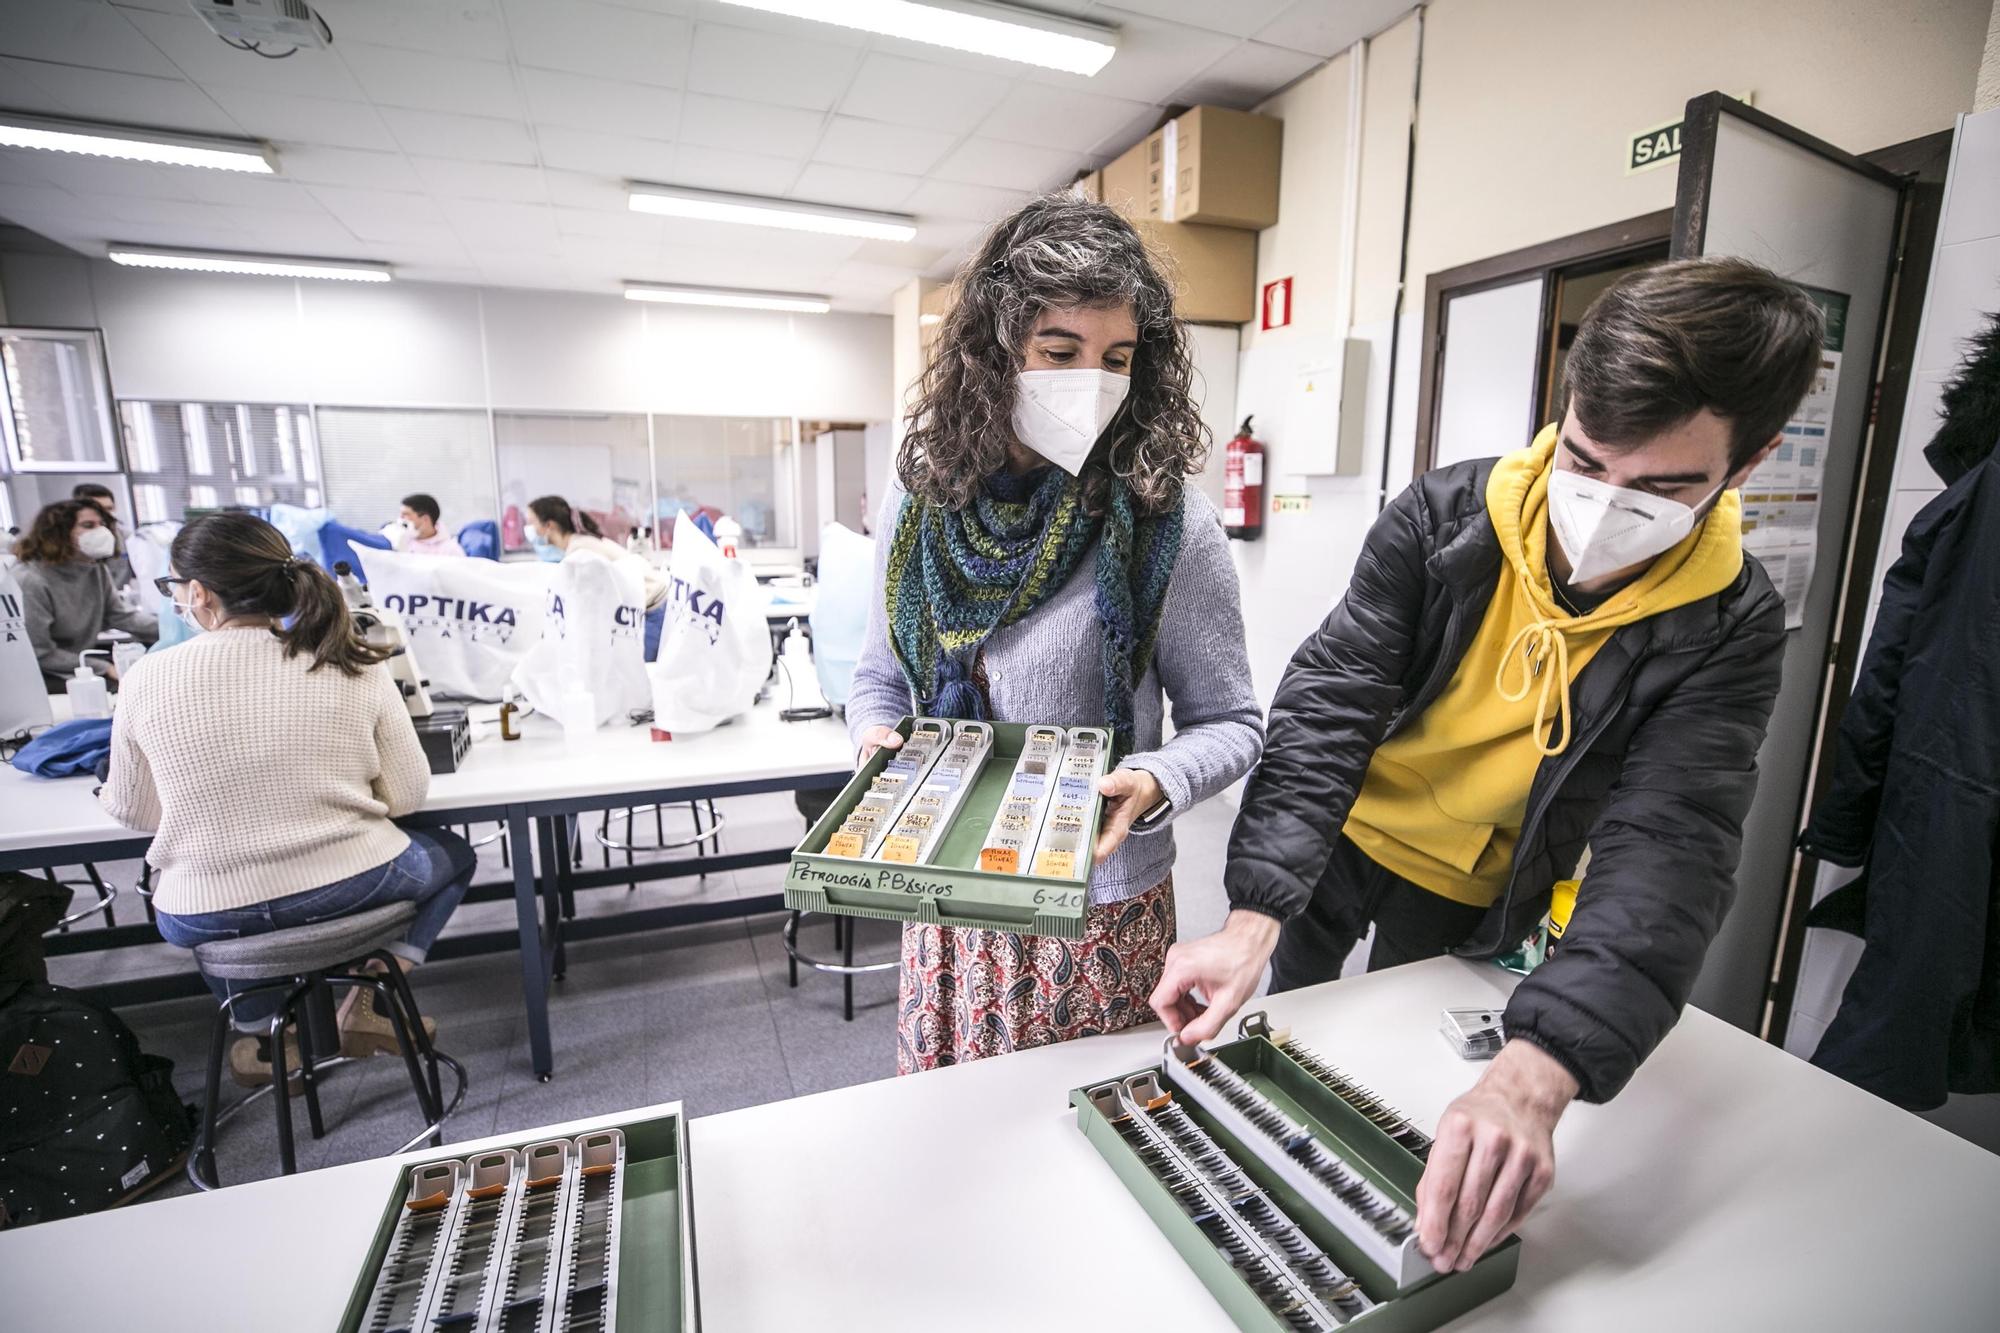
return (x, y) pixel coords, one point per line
(268, 757)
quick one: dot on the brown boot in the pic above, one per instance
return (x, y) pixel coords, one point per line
(253, 1070)
(366, 1031)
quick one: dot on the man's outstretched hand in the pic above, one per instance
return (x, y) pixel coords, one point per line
(1494, 1156)
(1224, 968)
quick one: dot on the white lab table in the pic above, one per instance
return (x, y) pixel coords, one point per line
(1730, 1187)
(532, 785)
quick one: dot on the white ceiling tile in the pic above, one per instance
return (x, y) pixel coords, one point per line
(622, 225)
(746, 173)
(973, 203)
(1328, 27)
(35, 198)
(911, 92)
(353, 206)
(871, 280)
(286, 119)
(622, 156)
(853, 187)
(576, 189)
(70, 33)
(262, 193)
(442, 134)
(749, 127)
(1246, 76)
(470, 29)
(134, 99)
(584, 103)
(481, 180)
(25, 92)
(952, 238)
(1154, 57)
(295, 234)
(1131, 132)
(767, 67)
(350, 166)
(506, 224)
(1060, 117)
(392, 76)
(897, 254)
(200, 55)
(880, 146)
(600, 40)
(1016, 166)
(1239, 18)
(724, 238)
(103, 175)
(166, 213)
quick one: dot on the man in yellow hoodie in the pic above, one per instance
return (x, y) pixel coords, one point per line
(1562, 649)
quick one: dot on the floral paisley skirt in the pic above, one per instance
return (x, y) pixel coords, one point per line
(967, 994)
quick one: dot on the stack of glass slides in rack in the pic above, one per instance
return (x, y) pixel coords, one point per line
(1286, 1187)
(862, 833)
(926, 815)
(1010, 840)
(1059, 851)
(528, 1238)
(523, 1241)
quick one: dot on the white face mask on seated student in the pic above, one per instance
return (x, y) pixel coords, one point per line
(97, 543)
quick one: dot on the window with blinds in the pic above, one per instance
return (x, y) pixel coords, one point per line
(374, 456)
(186, 456)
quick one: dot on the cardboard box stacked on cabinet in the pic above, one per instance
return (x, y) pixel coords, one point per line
(1199, 189)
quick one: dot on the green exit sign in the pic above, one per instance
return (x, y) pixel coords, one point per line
(1651, 148)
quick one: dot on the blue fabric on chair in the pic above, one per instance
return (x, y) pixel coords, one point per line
(337, 542)
(656, 621)
(480, 539)
(67, 749)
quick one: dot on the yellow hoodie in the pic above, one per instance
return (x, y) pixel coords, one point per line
(1443, 800)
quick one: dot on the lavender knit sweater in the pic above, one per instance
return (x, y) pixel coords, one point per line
(1047, 667)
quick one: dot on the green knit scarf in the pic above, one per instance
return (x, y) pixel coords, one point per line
(956, 575)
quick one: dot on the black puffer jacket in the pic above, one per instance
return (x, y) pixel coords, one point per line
(1915, 795)
(1668, 717)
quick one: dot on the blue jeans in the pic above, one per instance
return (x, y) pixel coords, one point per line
(433, 872)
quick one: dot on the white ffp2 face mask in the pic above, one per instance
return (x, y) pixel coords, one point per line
(97, 543)
(1605, 528)
(1060, 413)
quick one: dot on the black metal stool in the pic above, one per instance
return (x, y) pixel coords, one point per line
(303, 965)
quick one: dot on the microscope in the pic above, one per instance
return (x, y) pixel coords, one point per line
(445, 733)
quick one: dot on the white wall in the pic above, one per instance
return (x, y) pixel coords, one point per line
(194, 336)
(1964, 289)
(1298, 569)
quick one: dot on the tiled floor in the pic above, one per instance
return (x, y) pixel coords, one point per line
(701, 1014)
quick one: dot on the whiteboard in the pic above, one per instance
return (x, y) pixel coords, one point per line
(1486, 396)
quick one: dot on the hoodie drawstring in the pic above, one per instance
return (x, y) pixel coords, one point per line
(1537, 643)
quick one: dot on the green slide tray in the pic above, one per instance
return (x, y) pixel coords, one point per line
(950, 889)
(657, 1287)
(1333, 1122)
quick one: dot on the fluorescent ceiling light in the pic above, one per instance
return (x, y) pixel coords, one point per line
(136, 145)
(727, 296)
(264, 266)
(928, 320)
(758, 211)
(964, 25)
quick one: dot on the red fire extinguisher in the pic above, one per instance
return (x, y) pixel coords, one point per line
(1243, 486)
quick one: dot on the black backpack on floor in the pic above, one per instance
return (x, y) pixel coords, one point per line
(87, 1119)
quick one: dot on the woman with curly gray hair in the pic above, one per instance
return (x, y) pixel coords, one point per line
(1042, 559)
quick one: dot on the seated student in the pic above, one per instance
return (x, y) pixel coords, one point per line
(421, 512)
(67, 595)
(552, 530)
(97, 493)
(268, 755)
